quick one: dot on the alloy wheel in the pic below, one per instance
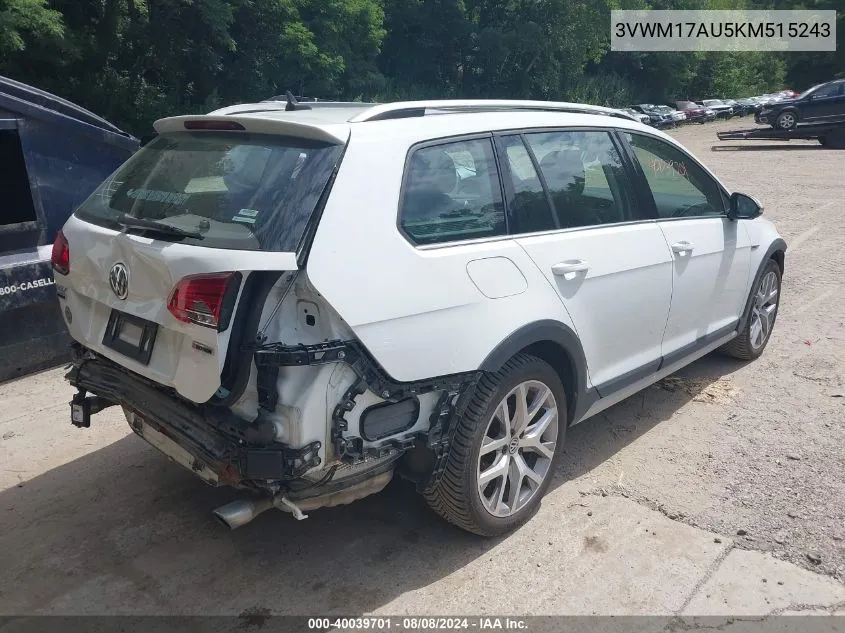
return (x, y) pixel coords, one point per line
(787, 120)
(764, 309)
(517, 448)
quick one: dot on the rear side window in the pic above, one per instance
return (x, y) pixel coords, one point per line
(584, 177)
(452, 193)
(238, 191)
(680, 187)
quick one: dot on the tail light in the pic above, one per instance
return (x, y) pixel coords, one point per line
(61, 254)
(206, 300)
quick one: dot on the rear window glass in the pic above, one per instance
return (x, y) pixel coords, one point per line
(237, 191)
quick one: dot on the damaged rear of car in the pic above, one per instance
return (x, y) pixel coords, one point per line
(302, 300)
(182, 281)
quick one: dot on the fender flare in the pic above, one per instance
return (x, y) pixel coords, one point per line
(547, 331)
(778, 245)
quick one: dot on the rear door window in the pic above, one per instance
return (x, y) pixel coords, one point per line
(585, 178)
(529, 204)
(237, 191)
(451, 193)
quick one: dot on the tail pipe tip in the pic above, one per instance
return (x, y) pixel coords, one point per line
(238, 513)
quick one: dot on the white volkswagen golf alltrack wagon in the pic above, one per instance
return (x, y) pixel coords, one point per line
(303, 300)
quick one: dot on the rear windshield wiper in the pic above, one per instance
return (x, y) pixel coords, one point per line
(164, 229)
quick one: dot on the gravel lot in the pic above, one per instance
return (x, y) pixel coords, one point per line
(94, 520)
(770, 458)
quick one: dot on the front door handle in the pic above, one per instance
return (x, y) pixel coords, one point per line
(682, 247)
(570, 266)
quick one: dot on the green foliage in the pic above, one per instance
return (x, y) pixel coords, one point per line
(137, 60)
(23, 22)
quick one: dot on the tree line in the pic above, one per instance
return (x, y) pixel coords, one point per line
(133, 61)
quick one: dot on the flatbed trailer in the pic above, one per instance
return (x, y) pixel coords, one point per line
(827, 134)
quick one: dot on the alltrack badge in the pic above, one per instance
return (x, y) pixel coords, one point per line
(119, 280)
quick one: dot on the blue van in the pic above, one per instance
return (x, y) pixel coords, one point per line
(54, 154)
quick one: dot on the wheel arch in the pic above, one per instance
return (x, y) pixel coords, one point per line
(780, 258)
(559, 346)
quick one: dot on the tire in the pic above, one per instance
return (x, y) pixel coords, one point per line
(748, 344)
(786, 120)
(458, 497)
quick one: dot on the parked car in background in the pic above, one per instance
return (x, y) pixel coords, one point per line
(770, 98)
(657, 119)
(695, 112)
(750, 105)
(722, 109)
(823, 103)
(637, 116)
(677, 116)
(739, 108)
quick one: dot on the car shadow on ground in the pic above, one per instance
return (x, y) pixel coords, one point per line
(122, 530)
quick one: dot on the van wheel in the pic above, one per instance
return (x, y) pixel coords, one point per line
(760, 320)
(504, 450)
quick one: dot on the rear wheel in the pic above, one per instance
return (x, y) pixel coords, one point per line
(505, 449)
(760, 320)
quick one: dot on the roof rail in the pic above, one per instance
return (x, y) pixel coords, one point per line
(407, 109)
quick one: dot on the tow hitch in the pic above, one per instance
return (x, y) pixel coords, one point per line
(82, 407)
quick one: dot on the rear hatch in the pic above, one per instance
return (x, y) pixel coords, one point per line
(153, 266)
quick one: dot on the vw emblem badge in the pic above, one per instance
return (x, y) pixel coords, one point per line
(119, 280)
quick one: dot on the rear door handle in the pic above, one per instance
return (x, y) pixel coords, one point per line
(682, 247)
(570, 266)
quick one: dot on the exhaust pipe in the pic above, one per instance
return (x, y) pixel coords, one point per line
(234, 515)
(241, 512)
(237, 513)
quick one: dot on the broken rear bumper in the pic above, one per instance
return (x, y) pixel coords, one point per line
(217, 445)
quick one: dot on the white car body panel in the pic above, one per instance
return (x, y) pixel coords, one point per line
(155, 267)
(761, 233)
(619, 304)
(709, 280)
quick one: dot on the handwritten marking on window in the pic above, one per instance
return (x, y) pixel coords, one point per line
(659, 166)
